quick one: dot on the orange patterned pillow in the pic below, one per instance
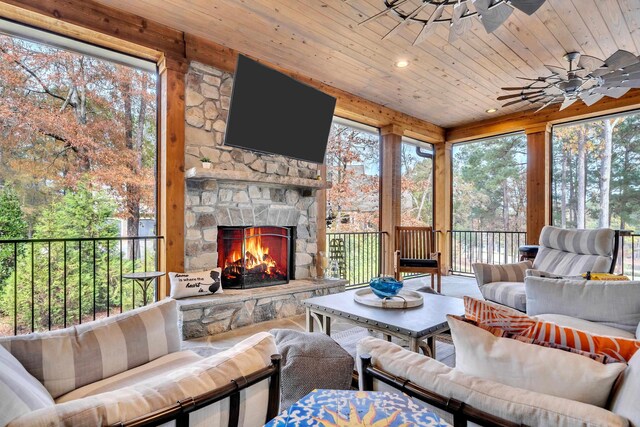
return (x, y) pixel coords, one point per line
(499, 316)
(618, 348)
(514, 322)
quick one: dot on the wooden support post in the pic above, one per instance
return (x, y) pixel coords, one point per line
(390, 190)
(321, 201)
(171, 184)
(538, 181)
(443, 202)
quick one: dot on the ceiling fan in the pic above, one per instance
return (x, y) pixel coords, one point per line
(587, 78)
(429, 13)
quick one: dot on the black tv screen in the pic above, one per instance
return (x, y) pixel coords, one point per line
(272, 113)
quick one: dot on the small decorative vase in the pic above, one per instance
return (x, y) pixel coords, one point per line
(385, 287)
(206, 165)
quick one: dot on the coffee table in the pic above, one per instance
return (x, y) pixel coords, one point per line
(414, 324)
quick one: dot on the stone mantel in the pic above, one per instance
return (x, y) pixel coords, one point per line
(261, 178)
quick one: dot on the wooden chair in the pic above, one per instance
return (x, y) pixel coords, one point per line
(415, 253)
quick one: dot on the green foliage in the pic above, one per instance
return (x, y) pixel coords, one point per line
(12, 226)
(69, 277)
(417, 187)
(489, 184)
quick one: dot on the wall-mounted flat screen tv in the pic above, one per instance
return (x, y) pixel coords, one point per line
(273, 113)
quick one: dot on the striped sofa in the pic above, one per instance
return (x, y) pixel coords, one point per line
(128, 369)
(561, 253)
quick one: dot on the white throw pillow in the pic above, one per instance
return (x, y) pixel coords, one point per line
(21, 393)
(532, 367)
(185, 285)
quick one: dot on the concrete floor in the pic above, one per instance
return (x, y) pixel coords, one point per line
(343, 331)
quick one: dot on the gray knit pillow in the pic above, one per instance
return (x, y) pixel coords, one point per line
(310, 361)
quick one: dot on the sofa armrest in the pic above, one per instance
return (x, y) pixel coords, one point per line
(638, 332)
(489, 273)
(506, 402)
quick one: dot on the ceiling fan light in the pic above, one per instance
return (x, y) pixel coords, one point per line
(491, 110)
(402, 63)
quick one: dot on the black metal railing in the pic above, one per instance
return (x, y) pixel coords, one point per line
(628, 261)
(493, 247)
(360, 255)
(50, 284)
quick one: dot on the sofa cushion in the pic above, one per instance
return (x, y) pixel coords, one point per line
(626, 393)
(160, 366)
(511, 294)
(302, 371)
(490, 314)
(598, 241)
(162, 391)
(21, 392)
(66, 360)
(585, 325)
(488, 273)
(511, 403)
(523, 365)
(568, 263)
(615, 303)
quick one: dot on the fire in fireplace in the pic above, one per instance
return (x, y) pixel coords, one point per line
(255, 256)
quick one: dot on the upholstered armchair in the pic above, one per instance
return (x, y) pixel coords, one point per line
(562, 253)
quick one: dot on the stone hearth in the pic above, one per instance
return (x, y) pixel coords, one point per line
(210, 315)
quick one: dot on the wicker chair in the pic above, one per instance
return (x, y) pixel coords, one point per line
(415, 253)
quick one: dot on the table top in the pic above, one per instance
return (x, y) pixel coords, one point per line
(327, 408)
(415, 322)
(144, 275)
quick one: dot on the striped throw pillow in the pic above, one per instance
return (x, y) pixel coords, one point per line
(21, 393)
(489, 273)
(513, 322)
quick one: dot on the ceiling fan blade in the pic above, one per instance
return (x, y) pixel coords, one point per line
(515, 88)
(613, 92)
(513, 102)
(620, 59)
(621, 75)
(631, 83)
(429, 27)
(559, 71)
(523, 95)
(554, 91)
(589, 63)
(591, 98)
(567, 103)
(383, 12)
(539, 79)
(546, 104)
(527, 6)
(492, 17)
(458, 26)
(404, 22)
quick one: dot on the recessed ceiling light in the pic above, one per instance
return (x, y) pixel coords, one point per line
(491, 110)
(402, 63)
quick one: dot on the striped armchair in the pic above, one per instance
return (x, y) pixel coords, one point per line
(562, 253)
(128, 370)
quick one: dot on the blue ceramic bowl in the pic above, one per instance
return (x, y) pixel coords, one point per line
(385, 287)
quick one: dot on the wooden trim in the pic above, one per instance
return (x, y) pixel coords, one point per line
(443, 201)
(348, 105)
(521, 121)
(390, 194)
(321, 221)
(538, 184)
(171, 191)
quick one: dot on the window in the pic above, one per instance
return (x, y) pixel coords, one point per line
(596, 179)
(489, 184)
(78, 163)
(417, 183)
(353, 168)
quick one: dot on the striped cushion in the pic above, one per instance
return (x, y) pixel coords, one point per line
(488, 273)
(492, 315)
(510, 294)
(20, 393)
(585, 242)
(66, 360)
(568, 263)
(128, 403)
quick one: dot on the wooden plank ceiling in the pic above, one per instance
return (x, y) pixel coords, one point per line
(446, 84)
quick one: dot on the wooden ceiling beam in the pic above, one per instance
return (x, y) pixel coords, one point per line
(522, 121)
(348, 106)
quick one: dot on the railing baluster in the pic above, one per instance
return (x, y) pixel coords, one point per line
(94, 280)
(64, 282)
(33, 290)
(80, 281)
(15, 289)
(108, 279)
(49, 282)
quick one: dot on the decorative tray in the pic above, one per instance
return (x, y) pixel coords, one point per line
(404, 299)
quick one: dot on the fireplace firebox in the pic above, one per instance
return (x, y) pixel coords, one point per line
(252, 257)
